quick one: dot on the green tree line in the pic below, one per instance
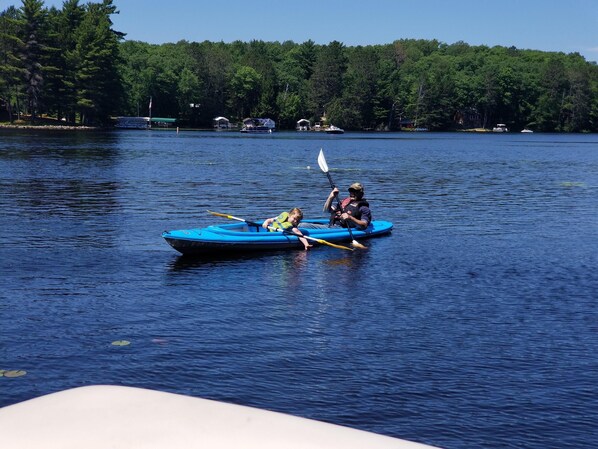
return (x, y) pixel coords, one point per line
(71, 64)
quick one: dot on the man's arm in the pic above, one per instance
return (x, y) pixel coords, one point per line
(328, 203)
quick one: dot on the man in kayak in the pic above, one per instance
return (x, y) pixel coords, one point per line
(354, 210)
(287, 221)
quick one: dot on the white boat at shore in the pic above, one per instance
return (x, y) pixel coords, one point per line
(103, 416)
(500, 128)
(334, 130)
(258, 126)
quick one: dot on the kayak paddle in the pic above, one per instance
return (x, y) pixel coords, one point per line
(324, 167)
(284, 231)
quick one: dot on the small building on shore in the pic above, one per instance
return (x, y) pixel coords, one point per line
(258, 125)
(303, 125)
(143, 122)
(162, 122)
(221, 124)
(132, 122)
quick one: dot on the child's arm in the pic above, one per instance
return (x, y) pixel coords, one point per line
(267, 222)
(302, 239)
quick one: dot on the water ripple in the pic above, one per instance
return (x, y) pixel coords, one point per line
(472, 325)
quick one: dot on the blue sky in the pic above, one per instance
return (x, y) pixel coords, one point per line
(548, 25)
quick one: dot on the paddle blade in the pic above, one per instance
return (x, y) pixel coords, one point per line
(356, 244)
(334, 245)
(322, 161)
(230, 217)
(217, 214)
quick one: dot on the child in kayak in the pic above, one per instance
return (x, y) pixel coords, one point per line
(287, 221)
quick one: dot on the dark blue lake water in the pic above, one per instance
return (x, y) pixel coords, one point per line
(475, 324)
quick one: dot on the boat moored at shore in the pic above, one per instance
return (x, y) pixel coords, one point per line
(132, 122)
(500, 128)
(258, 126)
(334, 130)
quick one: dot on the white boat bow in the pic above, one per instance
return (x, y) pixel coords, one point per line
(101, 416)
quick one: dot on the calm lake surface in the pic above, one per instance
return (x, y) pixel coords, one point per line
(475, 324)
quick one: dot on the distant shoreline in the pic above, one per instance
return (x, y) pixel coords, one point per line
(48, 127)
(43, 127)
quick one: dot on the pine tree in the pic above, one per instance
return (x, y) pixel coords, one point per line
(34, 20)
(99, 87)
(11, 67)
(62, 91)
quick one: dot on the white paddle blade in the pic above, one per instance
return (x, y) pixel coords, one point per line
(322, 162)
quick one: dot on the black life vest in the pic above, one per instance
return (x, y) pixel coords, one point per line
(350, 207)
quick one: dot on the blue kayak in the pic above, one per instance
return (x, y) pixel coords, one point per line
(243, 237)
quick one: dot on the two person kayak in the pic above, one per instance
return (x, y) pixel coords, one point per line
(246, 237)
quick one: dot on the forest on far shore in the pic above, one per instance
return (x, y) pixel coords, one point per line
(71, 65)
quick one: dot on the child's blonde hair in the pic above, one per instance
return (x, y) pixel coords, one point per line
(297, 211)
